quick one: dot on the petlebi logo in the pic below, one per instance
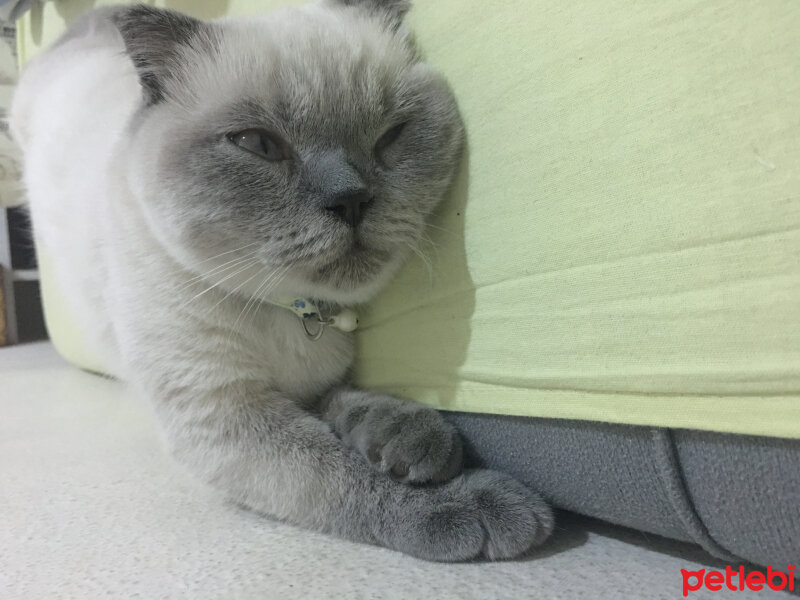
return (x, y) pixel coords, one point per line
(737, 580)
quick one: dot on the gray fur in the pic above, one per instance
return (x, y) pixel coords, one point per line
(248, 403)
(153, 38)
(409, 442)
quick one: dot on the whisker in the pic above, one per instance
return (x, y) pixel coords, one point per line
(425, 260)
(253, 299)
(236, 289)
(432, 226)
(231, 264)
(233, 331)
(250, 264)
(250, 245)
(274, 281)
(424, 237)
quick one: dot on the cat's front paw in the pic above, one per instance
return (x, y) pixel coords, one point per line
(482, 513)
(514, 518)
(410, 442)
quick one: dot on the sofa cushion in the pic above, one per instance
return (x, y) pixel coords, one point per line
(734, 495)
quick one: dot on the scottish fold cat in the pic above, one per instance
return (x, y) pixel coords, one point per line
(186, 178)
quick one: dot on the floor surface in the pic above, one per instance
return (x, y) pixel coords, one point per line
(90, 507)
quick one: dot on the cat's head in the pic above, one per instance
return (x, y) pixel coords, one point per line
(313, 140)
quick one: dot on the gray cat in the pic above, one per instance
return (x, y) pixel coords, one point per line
(197, 186)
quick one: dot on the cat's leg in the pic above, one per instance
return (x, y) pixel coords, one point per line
(215, 391)
(267, 453)
(405, 439)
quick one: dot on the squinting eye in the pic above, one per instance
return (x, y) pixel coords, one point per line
(388, 138)
(262, 143)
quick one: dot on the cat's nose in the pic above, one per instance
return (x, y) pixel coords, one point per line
(349, 206)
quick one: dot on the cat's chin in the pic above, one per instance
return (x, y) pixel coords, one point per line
(351, 278)
(357, 267)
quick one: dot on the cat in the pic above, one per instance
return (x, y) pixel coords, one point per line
(182, 175)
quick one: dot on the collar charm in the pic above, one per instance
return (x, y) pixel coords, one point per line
(314, 323)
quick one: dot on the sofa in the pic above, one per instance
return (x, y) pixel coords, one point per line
(607, 303)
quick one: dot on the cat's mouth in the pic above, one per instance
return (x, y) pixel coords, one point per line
(358, 264)
(356, 245)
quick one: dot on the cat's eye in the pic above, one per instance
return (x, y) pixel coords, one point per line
(389, 138)
(262, 143)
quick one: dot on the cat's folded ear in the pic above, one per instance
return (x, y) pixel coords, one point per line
(156, 41)
(392, 11)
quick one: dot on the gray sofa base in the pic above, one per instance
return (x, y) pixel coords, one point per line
(736, 496)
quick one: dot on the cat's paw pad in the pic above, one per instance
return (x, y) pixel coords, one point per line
(411, 443)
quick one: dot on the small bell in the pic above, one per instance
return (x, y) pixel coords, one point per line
(346, 321)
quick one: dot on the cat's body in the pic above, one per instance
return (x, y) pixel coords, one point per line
(169, 221)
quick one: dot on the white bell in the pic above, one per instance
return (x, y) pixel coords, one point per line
(346, 320)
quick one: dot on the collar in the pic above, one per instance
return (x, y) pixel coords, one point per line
(314, 323)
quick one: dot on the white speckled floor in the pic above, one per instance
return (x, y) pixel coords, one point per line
(91, 508)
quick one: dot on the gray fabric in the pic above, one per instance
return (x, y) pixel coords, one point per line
(736, 496)
(665, 454)
(746, 490)
(604, 471)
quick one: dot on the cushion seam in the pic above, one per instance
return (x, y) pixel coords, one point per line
(670, 475)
